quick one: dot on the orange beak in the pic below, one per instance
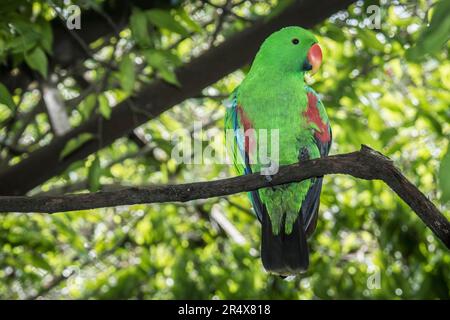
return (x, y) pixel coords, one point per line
(314, 57)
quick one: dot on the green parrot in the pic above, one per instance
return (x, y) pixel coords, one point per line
(274, 96)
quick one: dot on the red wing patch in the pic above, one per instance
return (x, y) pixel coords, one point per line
(249, 135)
(313, 116)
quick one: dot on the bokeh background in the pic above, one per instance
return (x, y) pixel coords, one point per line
(385, 83)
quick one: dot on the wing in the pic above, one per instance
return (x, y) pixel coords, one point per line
(323, 139)
(324, 144)
(233, 135)
(235, 140)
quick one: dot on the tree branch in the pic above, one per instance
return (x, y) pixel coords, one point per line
(159, 96)
(68, 50)
(364, 164)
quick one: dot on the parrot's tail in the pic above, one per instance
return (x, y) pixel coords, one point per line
(284, 254)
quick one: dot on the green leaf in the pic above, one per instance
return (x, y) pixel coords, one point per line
(335, 33)
(370, 40)
(103, 106)
(432, 120)
(163, 19)
(433, 37)
(47, 37)
(138, 25)
(169, 76)
(162, 61)
(5, 97)
(75, 143)
(37, 60)
(444, 177)
(87, 105)
(5, 113)
(26, 38)
(40, 262)
(127, 74)
(194, 26)
(2, 49)
(73, 167)
(94, 175)
(22, 44)
(388, 134)
(171, 58)
(279, 8)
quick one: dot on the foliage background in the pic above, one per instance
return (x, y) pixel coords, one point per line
(368, 243)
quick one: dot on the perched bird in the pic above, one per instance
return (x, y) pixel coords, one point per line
(274, 95)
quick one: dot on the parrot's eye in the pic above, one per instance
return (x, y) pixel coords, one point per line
(295, 41)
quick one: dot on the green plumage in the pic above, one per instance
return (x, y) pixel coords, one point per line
(274, 96)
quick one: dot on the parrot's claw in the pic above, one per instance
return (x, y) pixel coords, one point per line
(303, 154)
(268, 177)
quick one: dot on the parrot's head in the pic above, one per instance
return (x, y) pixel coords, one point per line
(291, 49)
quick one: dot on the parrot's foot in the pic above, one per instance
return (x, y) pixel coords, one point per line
(268, 177)
(303, 154)
(289, 278)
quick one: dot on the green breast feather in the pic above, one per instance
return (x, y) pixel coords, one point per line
(273, 97)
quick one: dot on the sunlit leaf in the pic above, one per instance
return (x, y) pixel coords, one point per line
(127, 74)
(370, 40)
(5, 97)
(279, 8)
(103, 106)
(184, 16)
(164, 19)
(75, 143)
(87, 105)
(433, 37)
(161, 61)
(94, 174)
